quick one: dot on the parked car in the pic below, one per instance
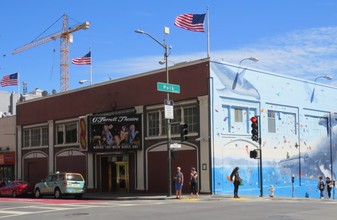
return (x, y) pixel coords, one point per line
(16, 188)
(60, 184)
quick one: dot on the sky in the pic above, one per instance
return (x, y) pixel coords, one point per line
(293, 38)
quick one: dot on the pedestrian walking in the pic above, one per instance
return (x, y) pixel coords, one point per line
(321, 186)
(194, 182)
(179, 182)
(235, 178)
(329, 186)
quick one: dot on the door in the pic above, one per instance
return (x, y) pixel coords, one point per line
(122, 176)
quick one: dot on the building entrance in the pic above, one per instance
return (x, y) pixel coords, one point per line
(114, 174)
(122, 178)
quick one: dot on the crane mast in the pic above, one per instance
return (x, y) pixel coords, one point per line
(65, 36)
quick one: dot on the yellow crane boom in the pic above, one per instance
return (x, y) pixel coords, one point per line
(65, 36)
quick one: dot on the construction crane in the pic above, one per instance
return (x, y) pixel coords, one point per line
(65, 36)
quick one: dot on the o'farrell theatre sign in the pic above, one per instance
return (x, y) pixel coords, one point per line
(114, 133)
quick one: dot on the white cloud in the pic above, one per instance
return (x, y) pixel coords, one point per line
(304, 54)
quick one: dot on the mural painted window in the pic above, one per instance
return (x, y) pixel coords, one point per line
(271, 122)
(318, 126)
(35, 137)
(66, 133)
(238, 115)
(153, 123)
(239, 120)
(281, 122)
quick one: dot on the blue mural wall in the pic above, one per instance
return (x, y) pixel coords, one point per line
(298, 130)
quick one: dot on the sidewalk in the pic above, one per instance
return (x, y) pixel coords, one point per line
(143, 196)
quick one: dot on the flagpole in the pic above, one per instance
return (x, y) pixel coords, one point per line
(90, 67)
(208, 39)
(18, 88)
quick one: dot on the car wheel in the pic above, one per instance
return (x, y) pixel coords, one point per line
(57, 193)
(14, 195)
(37, 193)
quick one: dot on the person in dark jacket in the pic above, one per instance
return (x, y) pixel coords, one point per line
(235, 178)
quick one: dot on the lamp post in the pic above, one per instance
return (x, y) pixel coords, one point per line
(168, 126)
(313, 91)
(325, 77)
(249, 58)
(237, 74)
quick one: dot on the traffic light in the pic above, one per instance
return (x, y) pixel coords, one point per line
(183, 132)
(255, 154)
(255, 128)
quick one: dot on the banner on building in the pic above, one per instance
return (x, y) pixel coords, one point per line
(114, 133)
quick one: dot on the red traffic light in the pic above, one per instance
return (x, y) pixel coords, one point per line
(253, 119)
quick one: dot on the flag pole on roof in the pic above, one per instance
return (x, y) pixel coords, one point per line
(208, 38)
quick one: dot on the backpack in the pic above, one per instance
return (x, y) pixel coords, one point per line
(321, 185)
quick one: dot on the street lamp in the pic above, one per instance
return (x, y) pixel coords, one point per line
(164, 45)
(325, 77)
(237, 74)
(249, 58)
(319, 77)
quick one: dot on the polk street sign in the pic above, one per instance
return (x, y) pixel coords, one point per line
(166, 87)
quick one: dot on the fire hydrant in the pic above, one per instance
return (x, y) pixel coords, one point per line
(271, 191)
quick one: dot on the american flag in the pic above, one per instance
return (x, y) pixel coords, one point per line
(9, 80)
(191, 22)
(85, 60)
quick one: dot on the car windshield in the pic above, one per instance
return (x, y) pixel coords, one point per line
(74, 177)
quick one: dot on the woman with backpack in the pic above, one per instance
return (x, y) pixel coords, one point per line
(321, 186)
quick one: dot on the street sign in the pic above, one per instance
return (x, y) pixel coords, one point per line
(168, 109)
(166, 87)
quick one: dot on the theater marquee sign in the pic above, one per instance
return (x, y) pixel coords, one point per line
(114, 133)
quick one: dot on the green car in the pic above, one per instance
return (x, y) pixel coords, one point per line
(59, 184)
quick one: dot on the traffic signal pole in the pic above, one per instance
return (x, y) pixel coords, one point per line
(256, 136)
(260, 147)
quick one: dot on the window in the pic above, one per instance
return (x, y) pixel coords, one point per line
(26, 138)
(66, 133)
(271, 122)
(281, 122)
(71, 133)
(191, 117)
(45, 136)
(153, 123)
(157, 123)
(35, 137)
(238, 115)
(175, 122)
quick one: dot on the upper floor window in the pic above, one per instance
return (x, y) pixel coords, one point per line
(157, 123)
(66, 133)
(271, 122)
(35, 137)
(281, 122)
(238, 117)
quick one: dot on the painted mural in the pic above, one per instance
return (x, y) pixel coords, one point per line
(298, 130)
